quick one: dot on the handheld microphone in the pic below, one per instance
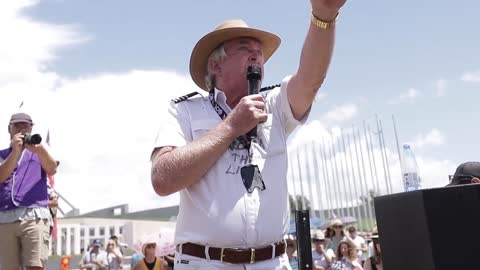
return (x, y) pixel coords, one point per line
(254, 77)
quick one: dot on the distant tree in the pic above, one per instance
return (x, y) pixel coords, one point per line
(369, 197)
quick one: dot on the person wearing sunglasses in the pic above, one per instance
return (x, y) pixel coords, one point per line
(321, 256)
(337, 234)
(466, 173)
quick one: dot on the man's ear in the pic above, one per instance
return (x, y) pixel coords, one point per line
(214, 66)
(475, 180)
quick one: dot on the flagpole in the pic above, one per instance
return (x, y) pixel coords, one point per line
(321, 205)
(349, 178)
(382, 155)
(309, 179)
(374, 162)
(336, 187)
(326, 177)
(352, 168)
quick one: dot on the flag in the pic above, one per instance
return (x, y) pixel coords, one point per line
(51, 183)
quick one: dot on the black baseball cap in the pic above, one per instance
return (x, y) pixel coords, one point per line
(465, 172)
(20, 118)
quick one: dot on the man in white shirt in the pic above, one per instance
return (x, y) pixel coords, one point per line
(321, 257)
(233, 189)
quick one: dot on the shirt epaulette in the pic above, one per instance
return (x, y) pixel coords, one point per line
(187, 96)
(184, 97)
(267, 88)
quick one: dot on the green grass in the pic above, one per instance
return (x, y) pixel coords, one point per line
(365, 224)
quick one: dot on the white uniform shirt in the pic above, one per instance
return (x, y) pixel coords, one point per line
(217, 210)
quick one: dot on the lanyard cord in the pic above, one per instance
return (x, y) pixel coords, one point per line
(23, 177)
(221, 112)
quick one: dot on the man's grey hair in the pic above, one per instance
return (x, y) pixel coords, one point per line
(217, 55)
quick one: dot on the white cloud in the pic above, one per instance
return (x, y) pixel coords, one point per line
(434, 172)
(320, 96)
(105, 135)
(341, 113)
(471, 76)
(406, 97)
(432, 138)
(27, 48)
(102, 127)
(27, 45)
(441, 88)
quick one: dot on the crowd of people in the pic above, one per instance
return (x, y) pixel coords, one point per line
(224, 151)
(338, 248)
(112, 257)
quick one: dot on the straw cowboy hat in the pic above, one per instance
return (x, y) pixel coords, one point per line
(227, 30)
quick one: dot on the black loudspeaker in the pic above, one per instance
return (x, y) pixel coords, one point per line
(430, 229)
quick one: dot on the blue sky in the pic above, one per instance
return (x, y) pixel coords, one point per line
(416, 60)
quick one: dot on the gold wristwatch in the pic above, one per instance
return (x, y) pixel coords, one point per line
(323, 24)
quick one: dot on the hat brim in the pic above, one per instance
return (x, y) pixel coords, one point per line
(205, 46)
(452, 183)
(336, 222)
(319, 239)
(21, 121)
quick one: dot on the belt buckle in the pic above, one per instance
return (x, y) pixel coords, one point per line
(252, 255)
(222, 255)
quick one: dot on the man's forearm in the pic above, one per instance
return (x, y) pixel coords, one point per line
(184, 166)
(316, 55)
(315, 59)
(8, 165)
(49, 164)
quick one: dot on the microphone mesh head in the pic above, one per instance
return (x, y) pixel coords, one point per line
(254, 72)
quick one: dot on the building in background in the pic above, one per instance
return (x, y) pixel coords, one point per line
(75, 233)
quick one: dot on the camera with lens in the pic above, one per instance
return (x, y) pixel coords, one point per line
(32, 139)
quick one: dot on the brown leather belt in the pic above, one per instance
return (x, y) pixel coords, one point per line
(233, 255)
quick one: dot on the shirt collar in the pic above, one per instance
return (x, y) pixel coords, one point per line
(221, 99)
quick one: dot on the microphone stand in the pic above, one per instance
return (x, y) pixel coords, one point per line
(304, 242)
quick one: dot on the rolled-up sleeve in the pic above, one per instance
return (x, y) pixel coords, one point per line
(174, 129)
(279, 105)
